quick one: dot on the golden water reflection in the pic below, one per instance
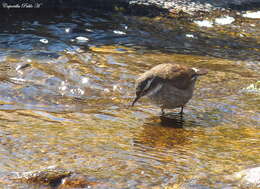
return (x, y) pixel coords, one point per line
(96, 133)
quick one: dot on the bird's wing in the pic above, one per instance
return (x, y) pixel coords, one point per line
(185, 76)
(179, 76)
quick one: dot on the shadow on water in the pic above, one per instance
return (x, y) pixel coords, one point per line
(172, 120)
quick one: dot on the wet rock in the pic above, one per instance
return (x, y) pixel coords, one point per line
(50, 176)
(248, 178)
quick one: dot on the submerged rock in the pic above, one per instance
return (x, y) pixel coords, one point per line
(77, 181)
(248, 178)
(50, 176)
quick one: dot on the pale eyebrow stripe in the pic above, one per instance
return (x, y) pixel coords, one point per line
(148, 84)
(195, 69)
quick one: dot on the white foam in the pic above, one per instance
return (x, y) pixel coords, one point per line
(119, 32)
(224, 20)
(252, 14)
(67, 30)
(82, 39)
(45, 41)
(189, 35)
(85, 80)
(204, 23)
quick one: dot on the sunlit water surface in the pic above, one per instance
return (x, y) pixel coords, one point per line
(70, 105)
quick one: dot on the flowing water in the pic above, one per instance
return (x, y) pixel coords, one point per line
(67, 82)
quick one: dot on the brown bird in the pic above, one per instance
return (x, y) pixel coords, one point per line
(169, 86)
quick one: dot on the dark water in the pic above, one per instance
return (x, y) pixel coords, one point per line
(67, 81)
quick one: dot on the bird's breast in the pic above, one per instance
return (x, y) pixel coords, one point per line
(171, 97)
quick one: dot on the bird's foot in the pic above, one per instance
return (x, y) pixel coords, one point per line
(162, 112)
(181, 112)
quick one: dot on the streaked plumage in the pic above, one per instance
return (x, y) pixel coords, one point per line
(169, 86)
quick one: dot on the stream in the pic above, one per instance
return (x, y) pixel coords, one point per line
(66, 82)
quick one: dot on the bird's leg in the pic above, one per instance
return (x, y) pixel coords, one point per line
(181, 112)
(162, 111)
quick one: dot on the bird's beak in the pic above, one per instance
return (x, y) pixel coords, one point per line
(135, 100)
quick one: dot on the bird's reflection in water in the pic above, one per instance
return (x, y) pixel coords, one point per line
(172, 120)
(168, 131)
